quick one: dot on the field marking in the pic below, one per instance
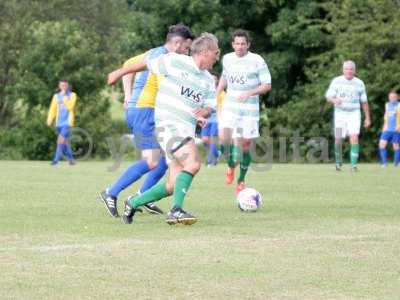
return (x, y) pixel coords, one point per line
(113, 244)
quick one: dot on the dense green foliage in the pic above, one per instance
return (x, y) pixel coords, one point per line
(303, 42)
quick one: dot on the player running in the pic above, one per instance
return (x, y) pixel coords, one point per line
(246, 76)
(346, 92)
(185, 97)
(391, 129)
(140, 119)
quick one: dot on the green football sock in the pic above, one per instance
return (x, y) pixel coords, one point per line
(182, 184)
(244, 166)
(234, 156)
(222, 149)
(355, 148)
(154, 194)
(338, 154)
(226, 151)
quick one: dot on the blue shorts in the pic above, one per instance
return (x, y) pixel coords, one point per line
(64, 131)
(391, 136)
(211, 129)
(141, 122)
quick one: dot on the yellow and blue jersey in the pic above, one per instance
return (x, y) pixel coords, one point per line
(62, 109)
(214, 115)
(392, 117)
(145, 86)
(220, 101)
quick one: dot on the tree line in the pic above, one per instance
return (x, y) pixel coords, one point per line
(303, 42)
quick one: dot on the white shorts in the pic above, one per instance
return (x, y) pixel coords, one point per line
(242, 127)
(347, 123)
(170, 136)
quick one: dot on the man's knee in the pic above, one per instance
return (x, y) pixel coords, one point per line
(193, 166)
(61, 139)
(354, 139)
(152, 158)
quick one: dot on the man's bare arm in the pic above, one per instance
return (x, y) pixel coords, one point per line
(127, 85)
(259, 90)
(367, 120)
(116, 75)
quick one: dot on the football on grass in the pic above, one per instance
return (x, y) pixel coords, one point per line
(249, 200)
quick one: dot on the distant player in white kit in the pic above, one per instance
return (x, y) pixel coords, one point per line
(245, 75)
(347, 93)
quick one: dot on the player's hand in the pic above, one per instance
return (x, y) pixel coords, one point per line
(202, 122)
(243, 97)
(126, 100)
(337, 102)
(113, 77)
(201, 112)
(367, 122)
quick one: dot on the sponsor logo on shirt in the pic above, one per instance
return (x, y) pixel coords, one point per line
(191, 94)
(238, 79)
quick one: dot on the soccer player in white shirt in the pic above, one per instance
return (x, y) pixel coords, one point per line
(347, 93)
(186, 95)
(245, 76)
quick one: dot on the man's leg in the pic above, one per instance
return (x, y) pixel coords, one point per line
(244, 164)
(132, 174)
(396, 150)
(151, 179)
(59, 150)
(154, 175)
(205, 137)
(213, 141)
(354, 151)
(66, 133)
(249, 133)
(188, 157)
(154, 194)
(149, 160)
(206, 143)
(68, 152)
(213, 154)
(383, 151)
(339, 135)
(227, 150)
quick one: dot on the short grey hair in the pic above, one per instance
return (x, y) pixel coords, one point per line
(206, 41)
(351, 63)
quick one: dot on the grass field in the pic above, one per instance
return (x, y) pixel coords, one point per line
(319, 235)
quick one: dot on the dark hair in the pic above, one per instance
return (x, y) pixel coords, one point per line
(181, 31)
(241, 33)
(63, 80)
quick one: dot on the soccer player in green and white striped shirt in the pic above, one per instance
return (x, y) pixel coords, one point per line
(186, 96)
(347, 93)
(245, 75)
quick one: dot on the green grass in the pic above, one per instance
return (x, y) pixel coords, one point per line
(319, 235)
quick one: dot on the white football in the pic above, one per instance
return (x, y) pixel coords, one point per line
(249, 200)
